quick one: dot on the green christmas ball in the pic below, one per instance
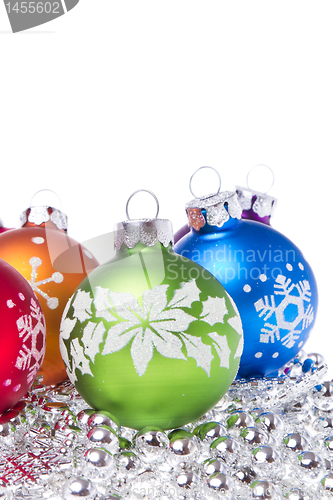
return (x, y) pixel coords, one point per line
(151, 336)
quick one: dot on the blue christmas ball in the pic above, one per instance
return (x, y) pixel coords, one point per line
(267, 276)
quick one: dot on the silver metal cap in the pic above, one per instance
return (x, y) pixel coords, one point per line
(261, 203)
(218, 208)
(145, 231)
(42, 214)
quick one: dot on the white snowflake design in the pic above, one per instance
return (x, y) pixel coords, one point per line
(296, 295)
(31, 326)
(151, 325)
(52, 302)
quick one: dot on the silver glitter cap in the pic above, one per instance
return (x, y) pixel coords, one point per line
(261, 203)
(218, 208)
(145, 231)
(42, 214)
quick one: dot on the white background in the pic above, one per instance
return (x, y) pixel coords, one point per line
(119, 95)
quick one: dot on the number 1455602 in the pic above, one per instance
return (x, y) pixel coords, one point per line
(32, 7)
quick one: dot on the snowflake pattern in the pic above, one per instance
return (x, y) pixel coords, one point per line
(32, 330)
(153, 324)
(56, 277)
(296, 298)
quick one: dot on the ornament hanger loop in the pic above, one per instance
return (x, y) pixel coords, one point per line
(45, 190)
(218, 190)
(139, 191)
(252, 169)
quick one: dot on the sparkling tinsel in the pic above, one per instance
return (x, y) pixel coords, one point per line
(267, 438)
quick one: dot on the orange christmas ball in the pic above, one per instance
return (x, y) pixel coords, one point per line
(54, 264)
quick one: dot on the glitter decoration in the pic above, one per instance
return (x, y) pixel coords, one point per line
(277, 313)
(56, 277)
(266, 438)
(38, 240)
(145, 231)
(214, 207)
(149, 327)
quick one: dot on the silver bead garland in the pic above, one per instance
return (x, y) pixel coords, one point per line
(268, 438)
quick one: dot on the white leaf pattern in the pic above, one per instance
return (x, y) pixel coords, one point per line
(119, 336)
(222, 348)
(201, 352)
(186, 295)
(102, 304)
(236, 324)
(213, 311)
(92, 338)
(148, 323)
(142, 350)
(79, 360)
(82, 305)
(239, 350)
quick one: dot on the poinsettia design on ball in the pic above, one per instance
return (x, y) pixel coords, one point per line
(149, 324)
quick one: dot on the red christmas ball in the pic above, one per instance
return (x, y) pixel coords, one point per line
(22, 336)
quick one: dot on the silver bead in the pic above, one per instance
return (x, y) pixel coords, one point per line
(327, 482)
(309, 460)
(186, 479)
(128, 460)
(240, 419)
(317, 358)
(210, 430)
(6, 428)
(329, 443)
(323, 400)
(265, 455)
(13, 416)
(296, 442)
(213, 465)
(103, 418)
(79, 488)
(183, 446)
(219, 482)
(295, 494)
(327, 464)
(83, 416)
(323, 423)
(271, 422)
(98, 457)
(104, 436)
(246, 475)
(254, 436)
(225, 444)
(151, 445)
(263, 490)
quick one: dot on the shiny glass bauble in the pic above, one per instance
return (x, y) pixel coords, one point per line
(54, 264)
(150, 336)
(268, 277)
(22, 336)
